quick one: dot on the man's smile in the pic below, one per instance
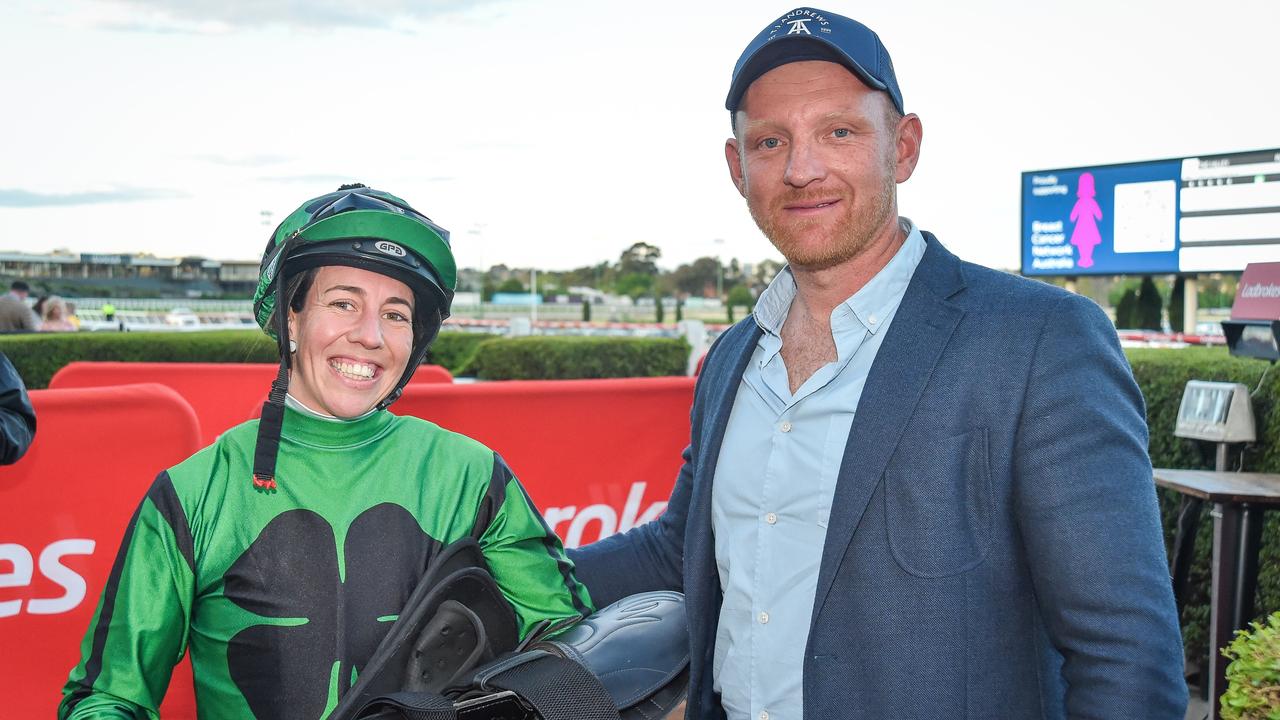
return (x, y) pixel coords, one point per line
(810, 207)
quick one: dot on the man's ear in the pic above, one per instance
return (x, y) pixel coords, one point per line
(909, 135)
(733, 156)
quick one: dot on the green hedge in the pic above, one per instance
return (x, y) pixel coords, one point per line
(565, 358)
(1162, 374)
(37, 356)
(455, 350)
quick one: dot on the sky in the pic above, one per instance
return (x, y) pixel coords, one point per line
(557, 133)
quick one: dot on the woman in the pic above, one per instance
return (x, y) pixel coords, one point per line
(281, 554)
(54, 317)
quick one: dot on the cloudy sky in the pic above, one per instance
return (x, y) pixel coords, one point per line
(558, 132)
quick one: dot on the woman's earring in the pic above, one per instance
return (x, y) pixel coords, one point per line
(293, 346)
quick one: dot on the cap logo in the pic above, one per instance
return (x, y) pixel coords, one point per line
(389, 248)
(799, 20)
(799, 27)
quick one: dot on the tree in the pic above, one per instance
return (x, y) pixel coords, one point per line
(1127, 309)
(697, 278)
(641, 258)
(512, 285)
(765, 271)
(740, 295)
(1175, 304)
(659, 312)
(635, 285)
(1149, 305)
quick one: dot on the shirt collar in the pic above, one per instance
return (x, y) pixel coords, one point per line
(870, 306)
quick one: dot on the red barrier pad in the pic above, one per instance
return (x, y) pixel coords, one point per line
(597, 456)
(63, 511)
(218, 392)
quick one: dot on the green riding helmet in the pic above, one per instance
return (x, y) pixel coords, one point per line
(368, 229)
(359, 227)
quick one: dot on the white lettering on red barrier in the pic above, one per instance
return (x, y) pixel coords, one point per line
(72, 583)
(604, 516)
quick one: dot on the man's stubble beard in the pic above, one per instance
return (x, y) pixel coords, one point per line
(852, 235)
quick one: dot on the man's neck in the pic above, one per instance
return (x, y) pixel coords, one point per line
(820, 290)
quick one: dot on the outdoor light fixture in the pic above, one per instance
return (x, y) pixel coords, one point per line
(1216, 411)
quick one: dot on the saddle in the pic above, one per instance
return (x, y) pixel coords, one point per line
(454, 654)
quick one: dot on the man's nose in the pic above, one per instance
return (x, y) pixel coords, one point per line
(805, 164)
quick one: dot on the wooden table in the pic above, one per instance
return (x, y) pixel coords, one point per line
(1239, 500)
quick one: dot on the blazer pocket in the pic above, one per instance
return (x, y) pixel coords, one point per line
(938, 505)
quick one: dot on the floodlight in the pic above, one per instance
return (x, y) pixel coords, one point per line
(1216, 411)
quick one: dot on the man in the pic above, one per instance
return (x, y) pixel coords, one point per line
(15, 315)
(916, 487)
(17, 419)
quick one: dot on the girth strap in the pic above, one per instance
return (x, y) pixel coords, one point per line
(410, 706)
(558, 688)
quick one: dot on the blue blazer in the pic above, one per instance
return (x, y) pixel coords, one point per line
(994, 547)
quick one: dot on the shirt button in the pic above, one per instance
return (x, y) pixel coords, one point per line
(871, 318)
(785, 426)
(771, 518)
(764, 618)
(764, 715)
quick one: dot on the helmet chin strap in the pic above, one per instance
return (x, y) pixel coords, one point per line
(269, 426)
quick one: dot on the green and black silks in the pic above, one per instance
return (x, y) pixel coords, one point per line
(282, 596)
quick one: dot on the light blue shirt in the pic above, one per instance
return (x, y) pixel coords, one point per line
(773, 485)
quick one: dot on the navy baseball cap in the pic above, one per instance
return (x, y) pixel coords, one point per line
(812, 34)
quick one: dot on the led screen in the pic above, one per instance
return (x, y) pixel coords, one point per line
(1202, 214)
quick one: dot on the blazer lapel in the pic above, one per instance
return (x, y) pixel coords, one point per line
(920, 330)
(722, 379)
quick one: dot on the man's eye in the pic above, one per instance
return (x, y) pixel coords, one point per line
(770, 143)
(841, 132)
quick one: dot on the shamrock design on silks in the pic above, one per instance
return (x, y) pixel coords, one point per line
(291, 571)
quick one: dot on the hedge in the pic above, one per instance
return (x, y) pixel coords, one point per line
(454, 350)
(37, 356)
(1162, 374)
(565, 358)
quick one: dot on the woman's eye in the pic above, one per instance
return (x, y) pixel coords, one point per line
(343, 304)
(396, 316)
(770, 143)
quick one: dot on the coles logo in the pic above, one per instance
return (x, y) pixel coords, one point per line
(389, 248)
(21, 570)
(571, 523)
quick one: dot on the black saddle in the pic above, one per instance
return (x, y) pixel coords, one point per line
(453, 654)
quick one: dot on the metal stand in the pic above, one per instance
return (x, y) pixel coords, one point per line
(1239, 501)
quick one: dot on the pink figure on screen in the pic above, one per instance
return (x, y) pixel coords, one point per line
(1086, 215)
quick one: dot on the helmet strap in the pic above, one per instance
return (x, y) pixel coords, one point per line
(272, 420)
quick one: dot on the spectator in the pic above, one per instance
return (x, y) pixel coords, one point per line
(15, 315)
(54, 316)
(17, 419)
(38, 308)
(71, 315)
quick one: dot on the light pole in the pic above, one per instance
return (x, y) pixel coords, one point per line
(719, 269)
(533, 298)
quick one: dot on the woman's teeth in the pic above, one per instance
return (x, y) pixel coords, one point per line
(355, 371)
